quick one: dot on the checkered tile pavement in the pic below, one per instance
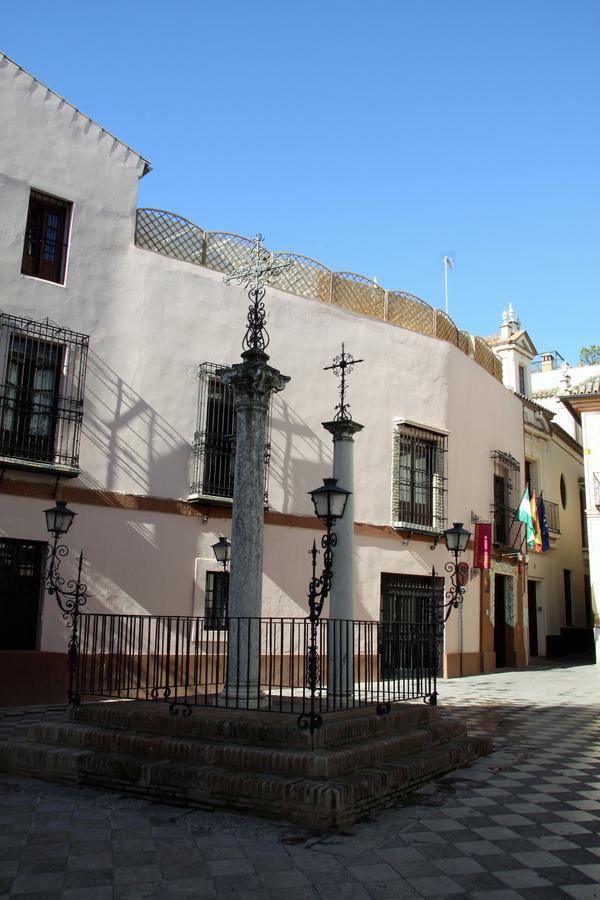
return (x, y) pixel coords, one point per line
(521, 823)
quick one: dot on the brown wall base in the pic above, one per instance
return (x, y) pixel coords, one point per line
(457, 664)
(32, 677)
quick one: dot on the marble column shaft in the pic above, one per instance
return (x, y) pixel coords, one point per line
(253, 382)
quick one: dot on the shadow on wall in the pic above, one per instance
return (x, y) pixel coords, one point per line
(143, 453)
(300, 459)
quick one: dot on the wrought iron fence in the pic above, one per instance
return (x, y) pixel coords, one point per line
(256, 663)
(172, 235)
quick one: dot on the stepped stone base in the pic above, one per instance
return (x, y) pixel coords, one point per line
(257, 762)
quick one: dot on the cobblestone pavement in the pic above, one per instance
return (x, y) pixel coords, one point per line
(521, 823)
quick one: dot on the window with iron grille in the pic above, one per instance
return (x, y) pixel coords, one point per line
(507, 496)
(407, 626)
(214, 438)
(216, 598)
(41, 396)
(419, 478)
(46, 235)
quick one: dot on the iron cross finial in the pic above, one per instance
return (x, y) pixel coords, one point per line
(342, 366)
(255, 275)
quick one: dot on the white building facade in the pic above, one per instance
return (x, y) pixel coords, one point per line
(115, 324)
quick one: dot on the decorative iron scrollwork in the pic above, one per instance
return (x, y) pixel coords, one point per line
(71, 594)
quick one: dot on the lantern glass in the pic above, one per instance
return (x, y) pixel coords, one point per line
(330, 500)
(457, 538)
(59, 519)
(222, 550)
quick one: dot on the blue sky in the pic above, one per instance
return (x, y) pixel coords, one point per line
(374, 137)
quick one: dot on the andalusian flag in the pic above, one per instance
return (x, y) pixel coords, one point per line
(536, 524)
(524, 515)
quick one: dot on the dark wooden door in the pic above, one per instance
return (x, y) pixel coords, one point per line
(532, 608)
(20, 591)
(499, 621)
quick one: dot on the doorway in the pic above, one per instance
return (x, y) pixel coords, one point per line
(500, 620)
(20, 592)
(532, 610)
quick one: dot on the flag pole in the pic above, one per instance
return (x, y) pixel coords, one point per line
(446, 282)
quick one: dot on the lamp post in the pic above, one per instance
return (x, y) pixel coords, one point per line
(329, 502)
(457, 540)
(70, 594)
(222, 551)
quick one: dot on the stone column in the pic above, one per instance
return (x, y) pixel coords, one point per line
(253, 382)
(340, 651)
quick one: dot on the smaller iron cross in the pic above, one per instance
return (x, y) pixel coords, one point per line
(261, 269)
(342, 366)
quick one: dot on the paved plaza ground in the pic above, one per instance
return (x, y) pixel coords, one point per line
(523, 822)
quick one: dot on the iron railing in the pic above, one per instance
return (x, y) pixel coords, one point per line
(172, 235)
(507, 528)
(256, 663)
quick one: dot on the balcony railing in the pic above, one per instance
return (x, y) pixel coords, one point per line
(597, 490)
(172, 235)
(507, 528)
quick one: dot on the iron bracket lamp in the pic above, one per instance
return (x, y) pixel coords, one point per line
(71, 594)
(457, 540)
(329, 502)
(222, 551)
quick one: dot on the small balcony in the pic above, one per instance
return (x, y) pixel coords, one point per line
(507, 528)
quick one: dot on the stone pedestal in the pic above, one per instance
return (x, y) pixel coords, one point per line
(253, 382)
(341, 609)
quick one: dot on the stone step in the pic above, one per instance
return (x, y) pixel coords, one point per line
(255, 727)
(317, 803)
(299, 762)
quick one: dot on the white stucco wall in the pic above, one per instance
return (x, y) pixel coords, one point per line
(151, 321)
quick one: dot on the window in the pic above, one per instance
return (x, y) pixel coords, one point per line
(41, 397)
(405, 622)
(214, 439)
(522, 389)
(216, 597)
(46, 233)
(506, 488)
(418, 487)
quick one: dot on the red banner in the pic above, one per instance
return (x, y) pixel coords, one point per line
(482, 553)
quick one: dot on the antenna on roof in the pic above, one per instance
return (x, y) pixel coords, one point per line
(448, 263)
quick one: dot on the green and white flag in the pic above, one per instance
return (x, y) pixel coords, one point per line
(524, 515)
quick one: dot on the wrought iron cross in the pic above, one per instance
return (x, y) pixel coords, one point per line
(342, 366)
(255, 275)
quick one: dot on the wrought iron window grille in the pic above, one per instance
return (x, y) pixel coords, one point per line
(215, 439)
(43, 367)
(419, 482)
(216, 598)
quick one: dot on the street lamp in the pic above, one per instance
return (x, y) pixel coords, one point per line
(329, 502)
(222, 551)
(457, 541)
(59, 519)
(70, 595)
